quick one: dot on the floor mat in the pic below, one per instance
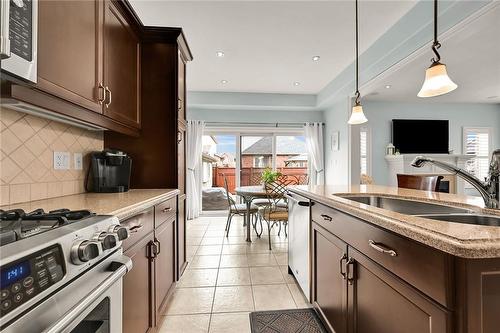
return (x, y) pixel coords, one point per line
(286, 321)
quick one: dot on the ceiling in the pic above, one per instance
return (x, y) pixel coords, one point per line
(472, 57)
(269, 45)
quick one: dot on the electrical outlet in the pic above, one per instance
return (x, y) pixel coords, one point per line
(61, 160)
(78, 161)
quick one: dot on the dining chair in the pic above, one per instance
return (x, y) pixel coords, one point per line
(274, 212)
(238, 209)
(426, 183)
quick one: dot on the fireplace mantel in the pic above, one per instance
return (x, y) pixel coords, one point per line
(402, 164)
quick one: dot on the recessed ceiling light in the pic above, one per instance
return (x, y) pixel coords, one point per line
(388, 86)
(296, 83)
(223, 81)
(220, 54)
(316, 58)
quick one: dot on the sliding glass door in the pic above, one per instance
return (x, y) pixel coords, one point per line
(240, 157)
(256, 155)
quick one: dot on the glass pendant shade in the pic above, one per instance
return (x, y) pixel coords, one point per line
(357, 115)
(437, 82)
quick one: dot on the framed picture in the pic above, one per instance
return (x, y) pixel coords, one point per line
(335, 141)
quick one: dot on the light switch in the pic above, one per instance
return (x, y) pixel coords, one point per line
(78, 161)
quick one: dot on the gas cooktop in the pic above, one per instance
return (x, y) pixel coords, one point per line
(16, 224)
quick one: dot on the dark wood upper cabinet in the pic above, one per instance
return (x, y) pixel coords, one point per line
(121, 67)
(181, 107)
(70, 51)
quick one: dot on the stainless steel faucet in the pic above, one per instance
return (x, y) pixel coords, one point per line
(489, 189)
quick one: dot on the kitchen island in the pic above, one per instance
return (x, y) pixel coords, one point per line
(379, 265)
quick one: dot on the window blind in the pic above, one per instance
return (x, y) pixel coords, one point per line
(477, 142)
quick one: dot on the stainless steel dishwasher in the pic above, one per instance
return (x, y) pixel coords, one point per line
(299, 226)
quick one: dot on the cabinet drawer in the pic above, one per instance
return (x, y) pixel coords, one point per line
(165, 210)
(139, 225)
(426, 269)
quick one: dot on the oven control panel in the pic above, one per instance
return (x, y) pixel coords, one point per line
(25, 278)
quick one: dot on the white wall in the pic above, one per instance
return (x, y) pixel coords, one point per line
(254, 116)
(380, 115)
(337, 162)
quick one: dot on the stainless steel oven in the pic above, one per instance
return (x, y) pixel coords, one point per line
(61, 272)
(18, 38)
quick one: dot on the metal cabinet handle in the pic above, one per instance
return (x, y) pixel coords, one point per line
(179, 107)
(136, 228)
(158, 247)
(342, 273)
(179, 136)
(110, 96)
(166, 210)
(326, 217)
(382, 248)
(350, 271)
(101, 100)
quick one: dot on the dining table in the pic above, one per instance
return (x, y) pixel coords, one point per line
(249, 193)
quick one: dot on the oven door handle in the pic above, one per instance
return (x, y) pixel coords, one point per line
(4, 30)
(120, 267)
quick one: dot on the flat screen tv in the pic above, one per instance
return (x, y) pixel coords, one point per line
(416, 136)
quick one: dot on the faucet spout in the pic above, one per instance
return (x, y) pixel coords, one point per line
(489, 189)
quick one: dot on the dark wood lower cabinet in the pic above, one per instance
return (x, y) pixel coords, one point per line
(164, 264)
(181, 236)
(137, 289)
(152, 246)
(381, 303)
(330, 288)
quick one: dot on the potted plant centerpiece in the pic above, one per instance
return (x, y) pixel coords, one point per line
(269, 176)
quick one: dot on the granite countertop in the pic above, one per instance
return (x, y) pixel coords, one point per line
(122, 205)
(462, 240)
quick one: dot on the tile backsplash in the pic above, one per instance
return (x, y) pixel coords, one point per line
(27, 147)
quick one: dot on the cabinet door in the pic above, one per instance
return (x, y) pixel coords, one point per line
(381, 303)
(137, 314)
(329, 286)
(181, 89)
(70, 51)
(164, 262)
(121, 68)
(181, 236)
(181, 160)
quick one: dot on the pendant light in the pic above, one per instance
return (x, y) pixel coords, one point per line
(437, 82)
(357, 115)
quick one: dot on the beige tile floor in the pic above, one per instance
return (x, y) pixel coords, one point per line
(227, 278)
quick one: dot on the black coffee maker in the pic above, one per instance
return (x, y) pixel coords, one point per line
(109, 172)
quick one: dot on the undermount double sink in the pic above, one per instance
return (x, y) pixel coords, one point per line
(427, 210)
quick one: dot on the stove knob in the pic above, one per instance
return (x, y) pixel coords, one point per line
(83, 251)
(108, 240)
(120, 231)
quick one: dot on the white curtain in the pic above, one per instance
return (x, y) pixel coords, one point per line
(193, 163)
(314, 143)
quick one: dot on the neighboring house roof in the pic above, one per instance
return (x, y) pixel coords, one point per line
(297, 158)
(208, 158)
(284, 146)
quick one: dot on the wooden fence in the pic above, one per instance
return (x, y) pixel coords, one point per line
(251, 176)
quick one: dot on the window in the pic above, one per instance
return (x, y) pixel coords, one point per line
(364, 150)
(477, 141)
